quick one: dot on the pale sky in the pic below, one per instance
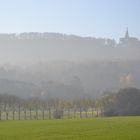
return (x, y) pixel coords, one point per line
(97, 18)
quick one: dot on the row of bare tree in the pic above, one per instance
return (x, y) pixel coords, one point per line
(13, 108)
(122, 103)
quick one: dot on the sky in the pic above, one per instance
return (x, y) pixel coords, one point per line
(97, 18)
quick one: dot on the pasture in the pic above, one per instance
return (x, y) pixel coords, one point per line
(110, 128)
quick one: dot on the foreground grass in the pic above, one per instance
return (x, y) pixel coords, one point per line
(116, 128)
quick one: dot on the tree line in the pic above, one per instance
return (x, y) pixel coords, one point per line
(13, 107)
(123, 102)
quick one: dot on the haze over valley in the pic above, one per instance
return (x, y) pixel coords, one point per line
(55, 65)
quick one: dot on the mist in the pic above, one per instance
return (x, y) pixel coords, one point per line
(57, 65)
(31, 48)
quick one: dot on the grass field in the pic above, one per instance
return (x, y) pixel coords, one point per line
(115, 128)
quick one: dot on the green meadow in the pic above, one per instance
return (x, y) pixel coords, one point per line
(110, 128)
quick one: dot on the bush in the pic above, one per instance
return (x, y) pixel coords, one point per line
(58, 114)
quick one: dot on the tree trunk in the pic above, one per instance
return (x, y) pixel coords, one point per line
(86, 113)
(13, 115)
(19, 112)
(62, 113)
(92, 112)
(74, 113)
(6, 115)
(43, 114)
(97, 112)
(49, 113)
(25, 114)
(36, 113)
(0, 116)
(68, 113)
(80, 112)
(30, 113)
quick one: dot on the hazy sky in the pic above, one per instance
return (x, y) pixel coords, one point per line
(99, 18)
